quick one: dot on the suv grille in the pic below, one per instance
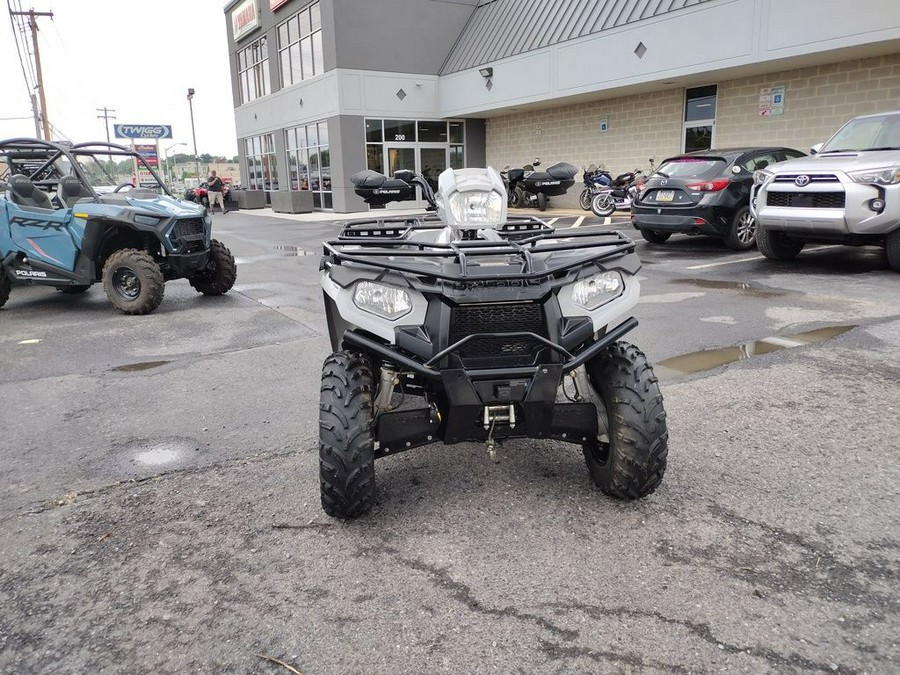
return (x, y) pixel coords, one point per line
(513, 317)
(813, 177)
(807, 200)
(187, 227)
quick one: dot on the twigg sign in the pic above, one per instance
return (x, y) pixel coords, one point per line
(143, 131)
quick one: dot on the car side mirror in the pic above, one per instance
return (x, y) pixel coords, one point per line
(814, 150)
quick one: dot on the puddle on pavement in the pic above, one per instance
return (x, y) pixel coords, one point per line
(292, 251)
(743, 287)
(708, 359)
(134, 367)
(162, 452)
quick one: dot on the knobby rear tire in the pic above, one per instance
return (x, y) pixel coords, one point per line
(631, 465)
(5, 286)
(346, 441)
(221, 272)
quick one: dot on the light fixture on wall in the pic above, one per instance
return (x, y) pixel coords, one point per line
(486, 72)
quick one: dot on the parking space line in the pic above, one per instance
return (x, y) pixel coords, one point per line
(578, 221)
(552, 220)
(740, 260)
(607, 220)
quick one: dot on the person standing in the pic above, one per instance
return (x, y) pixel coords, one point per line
(214, 192)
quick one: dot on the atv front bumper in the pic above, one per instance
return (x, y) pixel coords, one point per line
(473, 400)
(181, 265)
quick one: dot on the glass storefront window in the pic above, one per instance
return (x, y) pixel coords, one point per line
(262, 167)
(700, 103)
(253, 70)
(456, 157)
(300, 46)
(432, 132)
(457, 132)
(373, 131)
(400, 130)
(307, 149)
(375, 157)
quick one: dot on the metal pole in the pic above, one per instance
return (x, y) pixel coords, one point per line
(190, 99)
(32, 21)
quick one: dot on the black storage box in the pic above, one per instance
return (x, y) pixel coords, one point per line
(553, 182)
(377, 189)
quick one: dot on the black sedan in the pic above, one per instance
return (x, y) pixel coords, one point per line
(705, 192)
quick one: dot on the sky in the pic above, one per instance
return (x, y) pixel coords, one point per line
(137, 57)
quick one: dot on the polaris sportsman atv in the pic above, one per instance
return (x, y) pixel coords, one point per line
(56, 230)
(471, 326)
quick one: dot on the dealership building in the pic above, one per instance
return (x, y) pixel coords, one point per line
(327, 88)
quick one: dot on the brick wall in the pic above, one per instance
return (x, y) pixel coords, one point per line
(818, 100)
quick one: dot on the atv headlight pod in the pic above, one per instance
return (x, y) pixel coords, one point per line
(382, 300)
(761, 176)
(886, 176)
(476, 208)
(147, 220)
(597, 290)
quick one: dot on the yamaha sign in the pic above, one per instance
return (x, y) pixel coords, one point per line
(143, 131)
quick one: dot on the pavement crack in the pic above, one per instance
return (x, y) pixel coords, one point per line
(704, 632)
(555, 651)
(463, 594)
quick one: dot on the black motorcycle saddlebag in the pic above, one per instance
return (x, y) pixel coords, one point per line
(554, 181)
(377, 189)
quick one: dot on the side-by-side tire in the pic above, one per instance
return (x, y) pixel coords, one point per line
(220, 273)
(346, 440)
(5, 286)
(629, 464)
(776, 245)
(655, 236)
(891, 247)
(542, 201)
(742, 232)
(133, 282)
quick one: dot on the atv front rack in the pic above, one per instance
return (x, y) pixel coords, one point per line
(387, 244)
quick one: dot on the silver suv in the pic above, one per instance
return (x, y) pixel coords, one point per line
(848, 193)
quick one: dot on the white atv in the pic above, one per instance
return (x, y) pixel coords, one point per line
(472, 326)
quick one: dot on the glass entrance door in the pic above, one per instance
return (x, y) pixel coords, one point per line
(428, 160)
(396, 158)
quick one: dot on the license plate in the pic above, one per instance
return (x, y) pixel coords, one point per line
(665, 195)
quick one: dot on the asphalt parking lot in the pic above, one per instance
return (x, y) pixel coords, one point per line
(161, 503)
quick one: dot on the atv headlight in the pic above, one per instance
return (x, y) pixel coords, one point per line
(382, 300)
(886, 176)
(147, 220)
(761, 176)
(597, 290)
(476, 208)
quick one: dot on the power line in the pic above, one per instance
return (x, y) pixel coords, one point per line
(106, 117)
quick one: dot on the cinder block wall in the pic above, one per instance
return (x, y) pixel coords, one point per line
(818, 100)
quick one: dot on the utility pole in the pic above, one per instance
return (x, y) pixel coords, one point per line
(106, 117)
(32, 21)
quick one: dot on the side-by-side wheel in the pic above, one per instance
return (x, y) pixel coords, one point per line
(133, 281)
(220, 273)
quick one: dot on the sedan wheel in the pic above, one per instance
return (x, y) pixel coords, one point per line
(742, 234)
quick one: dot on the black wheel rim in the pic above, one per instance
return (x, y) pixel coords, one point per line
(126, 283)
(599, 452)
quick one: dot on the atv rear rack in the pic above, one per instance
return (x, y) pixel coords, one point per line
(386, 244)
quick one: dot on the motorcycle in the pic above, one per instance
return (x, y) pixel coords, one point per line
(595, 179)
(620, 194)
(526, 187)
(198, 194)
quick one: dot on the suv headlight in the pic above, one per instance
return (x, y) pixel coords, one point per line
(761, 176)
(476, 208)
(885, 176)
(382, 300)
(597, 290)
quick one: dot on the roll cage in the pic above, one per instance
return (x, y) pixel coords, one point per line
(37, 160)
